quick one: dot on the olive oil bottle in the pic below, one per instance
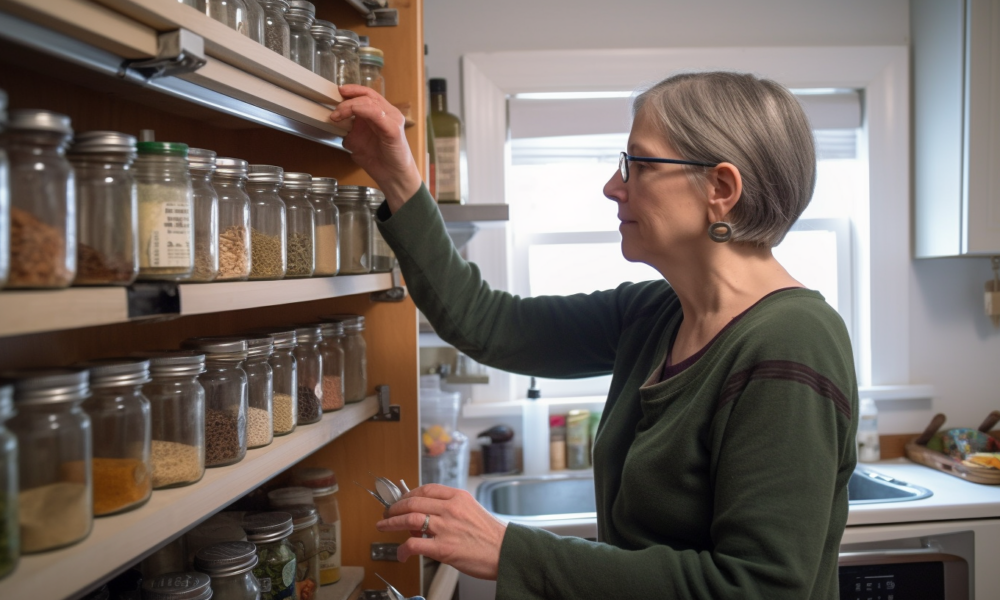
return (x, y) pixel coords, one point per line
(447, 144)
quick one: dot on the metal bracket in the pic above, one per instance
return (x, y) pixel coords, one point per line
(177, 52)
(383, 17)
(384, 551)
(394, 294)
(386, 411)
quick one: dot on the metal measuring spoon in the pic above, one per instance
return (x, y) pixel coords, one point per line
(391, 591)
(374, 495)
(387, 490)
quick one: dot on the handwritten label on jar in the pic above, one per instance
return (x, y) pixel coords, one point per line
(448, 173)
(164, 227)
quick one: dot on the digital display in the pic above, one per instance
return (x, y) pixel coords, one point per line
(903, 581)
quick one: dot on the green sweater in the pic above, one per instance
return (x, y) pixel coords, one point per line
(727, 480)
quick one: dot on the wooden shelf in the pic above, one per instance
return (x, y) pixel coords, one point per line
(120, 541)
(474, 213)
(201, 298)
(350, 581)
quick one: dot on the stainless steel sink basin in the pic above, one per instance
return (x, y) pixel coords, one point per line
(869, 487)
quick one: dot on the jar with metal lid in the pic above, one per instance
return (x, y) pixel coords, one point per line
(321, 194)
(355, 229)
(323, 483)
(345, 48)
(171, 558)
(255, 21)
(276, 569)
(371, 62)
(301, 225)
(4, 197)
(285, 406)
(42, 200)
(177, 416)
(107, 251)
(260, 387)
(231, 13)
(383, 258)
(10, 547)
(325, 62)
(355, 356)
(229, 182)
(224, 526)
(166, 209)
(268, 244)
(55, 488)
(310, 365)
(230, 565)
(305, 544)
(279, 498)
(276, 31)
(301, 45)
(225, 385)
(120, 425)
(178, 586)
(201, 164)
(333, 365)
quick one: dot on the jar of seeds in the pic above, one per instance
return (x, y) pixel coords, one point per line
(268, 244)
(310, 365)
(276, 31)
(300, 219)
(260, 382)
(333, 365)
(226, 398)
(177, 416)
(285, 406)
(206, 215)
(234, 219)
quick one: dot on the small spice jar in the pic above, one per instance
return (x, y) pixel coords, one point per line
(201, 164)
(177, 416)
(333, 365)
(234, 14)
(107, 249)
(323, 483)
(166, 208)
(230, 565)
(260, 387)
(276, 31)
(178, 586)
(355, 229)
(325, 62)
(268, 249)
(226, 399)
(120, 424)
(229, 182)
(355, 356)
(310, 365)
(9, 545)
(321, 193)
(345, 48)
(301, 45)
(43, 200)
(383, 258)
(371, 62)
(55, 494)
(285, 372)
(276, 569)
(4, 197)
(305, 544)
(301, 225)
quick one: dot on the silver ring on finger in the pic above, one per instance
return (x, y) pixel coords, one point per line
(427, 524)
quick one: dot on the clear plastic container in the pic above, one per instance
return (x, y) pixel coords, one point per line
(333, 365)
(345, 48)
(383, 258)
(177, 416)
(268, 242)
(120, 423)
(301, 45)
(260, 386)
(276, 31)
(325, 62)
(43, 200)
(310, 371)
(355, 356)
(107, 251)
(323, 483)
(166, 210)
(10, 548)
(231, 13)
(355, 229)
(321, 193)
(284, 367)
(234, 218)
(371, 62)
(4, 197)
(445, 451)
(226, 398)
(305, 544)
(230, 565)
(270, 531)
(301, 225)
(178, 586)
(55, 497)
(201, 164)
(255, 21)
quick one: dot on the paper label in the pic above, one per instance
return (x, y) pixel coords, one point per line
(329, 544)
(448, 172)
(165, 232)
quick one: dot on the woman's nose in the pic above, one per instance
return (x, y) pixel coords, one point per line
(615, 189)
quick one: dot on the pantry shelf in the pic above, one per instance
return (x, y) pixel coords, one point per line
(120, 541)
(474, 213)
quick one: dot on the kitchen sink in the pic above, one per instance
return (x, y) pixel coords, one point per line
(869, 487)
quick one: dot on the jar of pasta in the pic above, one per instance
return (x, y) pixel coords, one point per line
(166, 210)
(284, 368)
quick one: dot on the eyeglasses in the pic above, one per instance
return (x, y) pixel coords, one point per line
(625, 158)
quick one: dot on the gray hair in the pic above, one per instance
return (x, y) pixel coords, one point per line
(753, 123)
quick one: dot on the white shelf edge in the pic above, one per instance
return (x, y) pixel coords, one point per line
(891, 393)
(350, 579)
(119, 541)
(201, 298)
(34, 311)
(476, 410)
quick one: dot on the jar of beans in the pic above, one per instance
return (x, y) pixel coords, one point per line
(260, 387)
(284, 369)
(226, 398)
(310, 366)
(355, 356)
(177, 415)
(268, 250)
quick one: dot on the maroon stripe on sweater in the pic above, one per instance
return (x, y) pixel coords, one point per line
(789, 371)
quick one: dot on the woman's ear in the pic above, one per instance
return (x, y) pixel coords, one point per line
(725, 186)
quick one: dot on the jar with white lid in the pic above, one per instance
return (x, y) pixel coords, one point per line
(226, 398)
(305, 544)
(355, 356)
(9, 545)
(333, 365)
(260, 389)
(284, 368)
(177, 417)
(355, 229)
(230, 565)
(4, 197)
(231, 13)
(107, 211)
(300, 219)
(229, 182)
(321, 194)
(371, 62)
(201, 164)
(276, 31)
(345, 48)
(166, 210)
(323, 483)
(310, 371)
(325, 62)
(270, 531)
(383, 258)
(178, 586)
(268, 242)
(301, 45)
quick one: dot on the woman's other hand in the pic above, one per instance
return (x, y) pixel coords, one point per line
(377, 142)
(462, 533)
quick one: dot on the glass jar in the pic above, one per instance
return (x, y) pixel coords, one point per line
(301, 225)
(310, 366)
(345, 48)
(224, 526)
(355, 229)
(281, 498)
(276, 31)
(107, 251)
(260, 387)
(225, 385)
(301, 45)
(321, 194)
(333, 365)
(268, 249)
(166, 208)
(305, 544)
(201, 164)
(9, 545)
(276, 569)
(4, 197)
(371, 62)
(234, 219)
(355, 356)
(120, 425)
(53, 437)
(178, 586)
(42, 200)
(325, 62)
(323, 483)
(171, 558)
(231, 13)
(177, 416)
(255, 21)
(383, 258)
(230, 565)
(285, 370)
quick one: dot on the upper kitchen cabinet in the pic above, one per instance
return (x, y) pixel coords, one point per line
(956, 78)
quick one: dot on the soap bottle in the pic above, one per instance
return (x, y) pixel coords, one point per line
(868, 443)
(536, 433)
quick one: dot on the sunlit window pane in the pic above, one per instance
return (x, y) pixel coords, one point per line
(559, 269)
(811, 258)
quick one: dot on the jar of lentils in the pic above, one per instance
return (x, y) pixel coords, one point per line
(355, 229)
(206, 215)
(355, 356)
(333, 365)
(177, 416)
(234, 218)
(226, 398)
(268, 244)
(166, 210)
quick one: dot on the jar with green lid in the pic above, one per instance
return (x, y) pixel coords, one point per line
(10, 545)
(178, 586)
(285, 405)
(230, 565)
(345, 48)
(355, 355)
(107, 249)
(325, 62)
(177, 417)
(226, 398)
(305, 543)
(300, 225)
(276, 31)
(301, 45)
(355, 229)
(268, 242)
(201, 164)
(277, 566)
(4, 197)
(229, 182)
(371, 62)
(333, 365)
(383, 258)
(327, 236)
(323, 483)
(260, 389)
(166, 210)
(310, 366)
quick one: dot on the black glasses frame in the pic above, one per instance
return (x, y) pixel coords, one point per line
(625, 158)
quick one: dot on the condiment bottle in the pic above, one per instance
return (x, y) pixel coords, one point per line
(309, 361)
(268, 249)
(166, 209)
(177, 586)
(383, 258)
(323, 483)
(230, 565)
(557, 443)
(355, 229)
(300, 219)
(226, 398)
(301, 45)
(325, 62)
(345, 48)
(9, 545)
(229, 182)
(177, 416)
(371, 62)
(260, 389)
(355, 355)
(322, 191)
(447, 144)
(4, 197)
(276, 569)
(201, 164)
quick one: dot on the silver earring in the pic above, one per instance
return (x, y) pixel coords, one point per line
(720, 232)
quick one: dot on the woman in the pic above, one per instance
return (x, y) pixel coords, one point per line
(723, 454)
